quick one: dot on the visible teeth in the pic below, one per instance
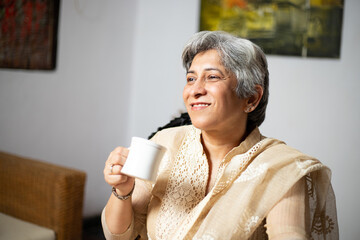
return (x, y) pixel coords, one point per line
(201, 105)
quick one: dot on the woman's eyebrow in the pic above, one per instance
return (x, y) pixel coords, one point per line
(207, 69)
(214, 69)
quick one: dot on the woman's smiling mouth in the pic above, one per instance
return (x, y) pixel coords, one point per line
(199, 106)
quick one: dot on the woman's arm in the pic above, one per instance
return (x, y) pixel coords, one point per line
(287, 219)
(118, 213)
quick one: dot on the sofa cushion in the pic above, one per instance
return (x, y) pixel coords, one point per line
(14, 229)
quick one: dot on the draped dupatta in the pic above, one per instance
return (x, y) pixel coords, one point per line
(252, 179)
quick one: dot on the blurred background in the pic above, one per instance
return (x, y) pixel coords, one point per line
(119, 74)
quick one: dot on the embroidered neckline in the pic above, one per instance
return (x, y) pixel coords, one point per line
(186, 186)
(188, 181)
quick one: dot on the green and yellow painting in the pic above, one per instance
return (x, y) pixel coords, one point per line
(307, 28)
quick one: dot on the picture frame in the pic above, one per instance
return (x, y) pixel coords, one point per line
(288, 27)
(28, 34)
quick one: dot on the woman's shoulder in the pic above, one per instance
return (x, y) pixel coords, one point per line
(171, 136)
(278, 148)
(173, 131)
(280, 155)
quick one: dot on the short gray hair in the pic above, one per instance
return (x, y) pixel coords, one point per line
(239, 56)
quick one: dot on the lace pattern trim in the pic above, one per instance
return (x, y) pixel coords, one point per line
(234, 168)
(186, 186)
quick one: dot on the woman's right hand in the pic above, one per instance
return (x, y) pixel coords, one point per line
(112, 171)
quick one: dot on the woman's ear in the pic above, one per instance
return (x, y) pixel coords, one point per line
(253, 101)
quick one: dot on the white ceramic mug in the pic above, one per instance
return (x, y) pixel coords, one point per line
(144, 159)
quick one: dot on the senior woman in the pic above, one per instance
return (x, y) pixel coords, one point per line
(220, 178)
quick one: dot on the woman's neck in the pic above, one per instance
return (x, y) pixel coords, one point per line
(218, 144)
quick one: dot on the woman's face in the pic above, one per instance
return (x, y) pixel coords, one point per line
(210, 97)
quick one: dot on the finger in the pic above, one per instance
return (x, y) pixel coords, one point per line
(116, 170)
(121, 150)
(118, 156)
(123, 154)
(115, 180)
(112, 169)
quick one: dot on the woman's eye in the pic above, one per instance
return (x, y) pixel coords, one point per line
(190, 79)
(213, 77)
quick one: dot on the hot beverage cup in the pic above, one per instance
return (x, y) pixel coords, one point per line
(144, 159)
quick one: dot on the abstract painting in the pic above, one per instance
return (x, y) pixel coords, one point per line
(28, 34)
(307, 28)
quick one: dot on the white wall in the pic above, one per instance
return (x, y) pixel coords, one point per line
(76, 115)
(163, 27)
(119, 74)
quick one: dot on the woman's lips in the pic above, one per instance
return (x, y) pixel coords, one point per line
(199, 106)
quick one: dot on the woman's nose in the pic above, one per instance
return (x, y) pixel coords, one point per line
(199, 88)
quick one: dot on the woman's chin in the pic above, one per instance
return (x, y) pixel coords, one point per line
(202, 124)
